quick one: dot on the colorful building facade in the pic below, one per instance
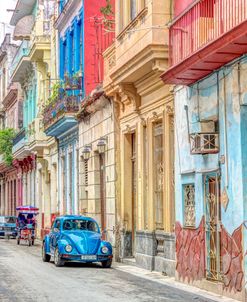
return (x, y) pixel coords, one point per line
(133, 65)
(208, 69)
(31, 68)
(10, 117)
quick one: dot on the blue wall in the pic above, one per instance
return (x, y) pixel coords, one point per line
(210, 99)
(71, 48)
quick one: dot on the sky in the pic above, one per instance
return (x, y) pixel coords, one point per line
(5, 16)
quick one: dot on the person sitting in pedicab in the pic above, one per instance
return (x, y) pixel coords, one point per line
(21, 220)
(31, 220)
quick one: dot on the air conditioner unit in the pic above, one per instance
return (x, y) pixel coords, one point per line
(204, 143)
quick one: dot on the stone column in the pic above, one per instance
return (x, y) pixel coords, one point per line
(76, 168)
(24, 179)
(2, 205)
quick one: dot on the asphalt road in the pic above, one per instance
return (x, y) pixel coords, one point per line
(24, 277)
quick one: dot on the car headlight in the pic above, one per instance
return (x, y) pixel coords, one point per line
(104, 249)
(68, 248)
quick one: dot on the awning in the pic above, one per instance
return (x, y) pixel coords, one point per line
(22, 9)
(24, 28)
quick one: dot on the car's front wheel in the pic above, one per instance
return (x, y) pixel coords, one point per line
(45, 257)
(57, 258)
(107, 263)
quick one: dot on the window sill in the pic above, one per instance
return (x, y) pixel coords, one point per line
(133, 23)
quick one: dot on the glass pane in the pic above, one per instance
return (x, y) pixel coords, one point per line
(158, 174)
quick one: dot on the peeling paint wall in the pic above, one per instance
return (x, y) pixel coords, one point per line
(222, 97)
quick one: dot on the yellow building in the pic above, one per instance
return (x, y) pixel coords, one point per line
(34, 153)
(133, 66)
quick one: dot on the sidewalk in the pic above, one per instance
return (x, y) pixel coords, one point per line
(168, 281)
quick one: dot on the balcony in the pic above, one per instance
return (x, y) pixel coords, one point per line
(206, 36)
(21, 63)
(40, 40)
(59, 116)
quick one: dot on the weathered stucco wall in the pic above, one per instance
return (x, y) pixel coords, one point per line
(222, 97)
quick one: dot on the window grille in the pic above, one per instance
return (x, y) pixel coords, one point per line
(86, 173)
(158, 173)
(189, 205)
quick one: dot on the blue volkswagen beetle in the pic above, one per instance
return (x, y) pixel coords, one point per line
(76, 239)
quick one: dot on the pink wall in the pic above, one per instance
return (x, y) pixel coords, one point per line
(180, 5)
(96, 41)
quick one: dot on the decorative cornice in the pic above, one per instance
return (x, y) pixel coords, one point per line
(66, 13)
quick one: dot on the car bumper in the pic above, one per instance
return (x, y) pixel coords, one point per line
(77, 258)
(8, 233)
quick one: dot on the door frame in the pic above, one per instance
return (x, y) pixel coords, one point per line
(208, 242)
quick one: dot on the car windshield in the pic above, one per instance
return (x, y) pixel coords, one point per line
(79, 224)
(10, 219)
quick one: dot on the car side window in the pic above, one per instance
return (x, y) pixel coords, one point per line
(56, 225)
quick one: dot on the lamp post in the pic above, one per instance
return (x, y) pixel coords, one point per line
(86, 152)
(102, 144)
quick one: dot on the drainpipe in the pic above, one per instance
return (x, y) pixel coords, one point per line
(225, 133)
(239, 84)
(187, 119)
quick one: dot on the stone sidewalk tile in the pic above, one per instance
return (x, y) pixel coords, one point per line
(168, 281)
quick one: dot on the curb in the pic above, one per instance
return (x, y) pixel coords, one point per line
(168, 281)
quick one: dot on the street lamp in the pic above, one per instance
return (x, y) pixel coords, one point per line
(101, 145)
(86, 152)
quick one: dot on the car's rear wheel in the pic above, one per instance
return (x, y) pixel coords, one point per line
(45, 257)
(57, 258)
(107, 263)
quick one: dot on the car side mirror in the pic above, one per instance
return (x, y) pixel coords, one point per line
(103, 232)
(56, 230)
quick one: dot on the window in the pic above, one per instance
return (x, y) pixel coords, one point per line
(65, 52)
(79, 224)
(132, 9)
(189, 205)
(56, 224)
(72, 49)
(158, 173)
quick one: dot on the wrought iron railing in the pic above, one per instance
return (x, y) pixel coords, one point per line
(203, 22)
(22, 51)
(58, 109)
(204, 143)
(20, 136)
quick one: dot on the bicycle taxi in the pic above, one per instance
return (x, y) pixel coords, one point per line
(26, 224)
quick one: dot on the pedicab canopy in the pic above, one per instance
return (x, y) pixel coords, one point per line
(27, 210)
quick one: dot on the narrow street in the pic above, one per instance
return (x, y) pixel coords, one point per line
(24, 277)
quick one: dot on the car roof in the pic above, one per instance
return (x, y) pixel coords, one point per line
(64, 217)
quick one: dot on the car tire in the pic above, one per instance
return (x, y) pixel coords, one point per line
(45, 257)
(107, 263)
(57, 258)
(18, 241)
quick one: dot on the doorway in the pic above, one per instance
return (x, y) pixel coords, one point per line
(212, 226)
(133, 189)
(102, 194)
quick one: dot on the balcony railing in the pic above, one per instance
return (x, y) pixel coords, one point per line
(22, 51)
(66, 105)
(204, 143)
(203, 22)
